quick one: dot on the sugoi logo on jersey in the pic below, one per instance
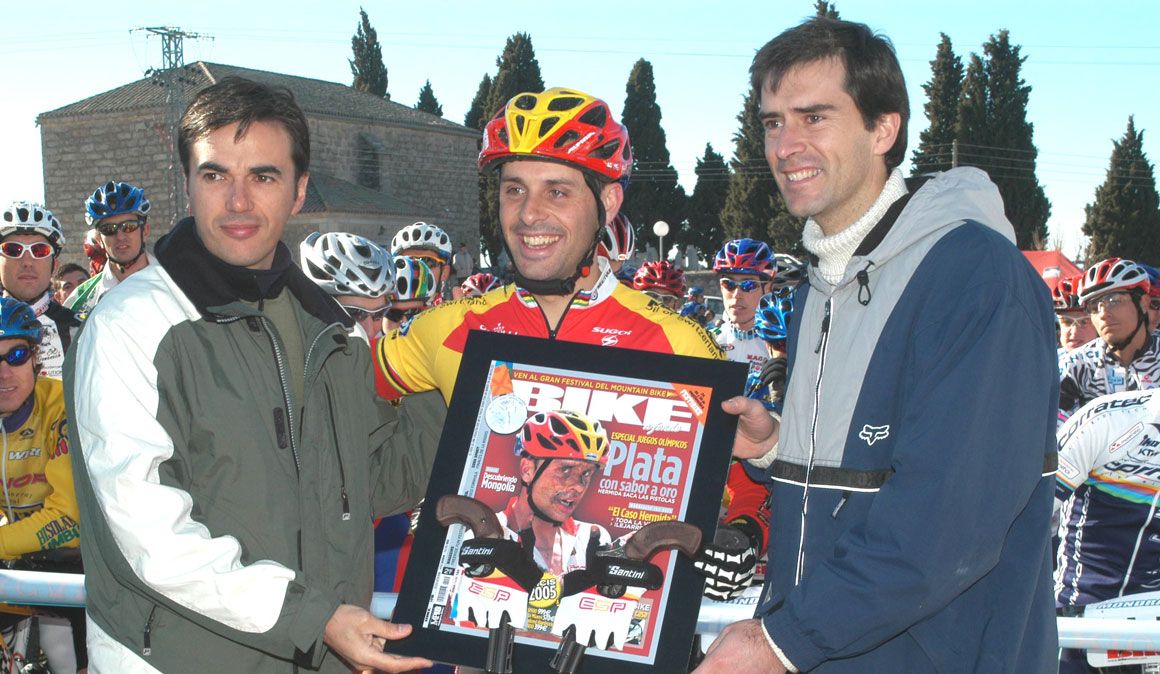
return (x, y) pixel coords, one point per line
(600, 330)
(872, 434)
(602, 605)
(609, 340)
(488, 591)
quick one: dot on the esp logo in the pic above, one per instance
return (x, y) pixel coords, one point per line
(602, 605)
(490, 592)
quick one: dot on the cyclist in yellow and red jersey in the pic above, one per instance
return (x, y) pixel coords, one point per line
(37, 500)
(563, 161)
(559, 184)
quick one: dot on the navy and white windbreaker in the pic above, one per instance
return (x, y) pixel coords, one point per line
(911, 510)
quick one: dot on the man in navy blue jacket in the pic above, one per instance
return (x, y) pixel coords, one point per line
(911, 468)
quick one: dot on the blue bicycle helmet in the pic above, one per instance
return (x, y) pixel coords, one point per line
(746, 256)
(115, 198)
(18, 321)
(771, 321)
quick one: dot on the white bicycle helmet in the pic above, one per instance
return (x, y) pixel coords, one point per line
(617, 239)
(24, 217)
(347, 264)
(424, 237)
(1112, 274)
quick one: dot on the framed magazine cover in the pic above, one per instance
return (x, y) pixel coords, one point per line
(668, 454)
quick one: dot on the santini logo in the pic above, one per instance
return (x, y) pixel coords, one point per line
(872, 434)
(620, 572)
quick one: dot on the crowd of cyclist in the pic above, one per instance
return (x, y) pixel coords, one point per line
(1108, 485)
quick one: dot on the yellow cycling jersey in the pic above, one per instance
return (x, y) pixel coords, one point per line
(425, 353)
(37, 500)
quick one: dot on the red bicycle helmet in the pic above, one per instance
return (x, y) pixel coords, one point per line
(561, 125)
(1064, 295)
(660, 276)
(1112, 274)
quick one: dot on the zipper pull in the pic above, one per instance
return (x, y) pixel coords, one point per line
(146, 648)
(345, 505)
(841, 502)
(825, 326)
(864, 285)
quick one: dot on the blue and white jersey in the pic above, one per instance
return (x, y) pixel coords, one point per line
(742, 346)
(1106, 494)
(1092, 371)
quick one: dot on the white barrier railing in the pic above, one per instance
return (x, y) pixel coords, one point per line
(37, 588)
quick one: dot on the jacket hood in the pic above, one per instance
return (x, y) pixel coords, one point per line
(210, 283)
(934, 205)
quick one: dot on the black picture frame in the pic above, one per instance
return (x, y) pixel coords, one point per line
(483, 350)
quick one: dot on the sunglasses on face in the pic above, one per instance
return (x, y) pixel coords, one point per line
(111, 228)
(359, 314)
(746, 286)
(16, 250)
(400, 315)
(433, 262)
(17, 356)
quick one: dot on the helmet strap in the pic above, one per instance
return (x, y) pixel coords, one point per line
(532, 502)
(1141, 322)
(125, 265)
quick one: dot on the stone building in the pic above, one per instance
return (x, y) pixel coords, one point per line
(376, 165)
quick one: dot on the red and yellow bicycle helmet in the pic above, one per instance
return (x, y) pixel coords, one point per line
(562, 434)
(563, 125)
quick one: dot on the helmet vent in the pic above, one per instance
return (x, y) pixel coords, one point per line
(547, 125)
(564, 103)
(595, 116)
(567, 138)
(607, 150)
(526, 102)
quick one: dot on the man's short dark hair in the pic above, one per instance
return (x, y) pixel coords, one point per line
(873, 76)
(235, 100)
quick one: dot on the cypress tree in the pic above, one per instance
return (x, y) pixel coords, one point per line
(994, 135)
(428, 102)
(943, 94)
(705, 231)
(370, 74)
(474, 118)
(826, 9)
(753, 205)
(1124, 220)
(653, 191)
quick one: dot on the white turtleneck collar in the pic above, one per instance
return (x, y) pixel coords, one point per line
(834, 252)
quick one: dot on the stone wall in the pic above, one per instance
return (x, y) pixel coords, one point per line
(431, 169)
(81, 153)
